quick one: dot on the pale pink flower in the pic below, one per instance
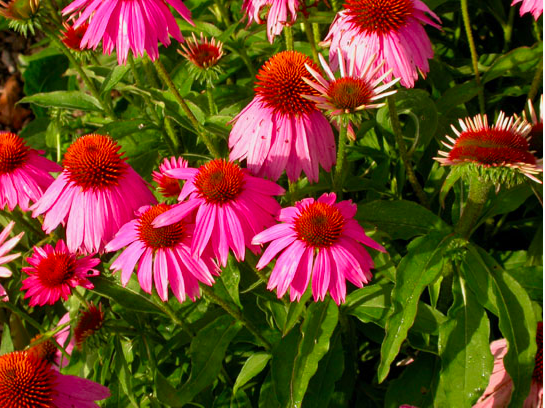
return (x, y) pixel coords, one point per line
(128, 24)
(168, 186)
(54, 272)
(163, 254)
(5, 247)
(280, 14)
(280, 129)
(43, 385)
(96, 193)
(24, 173)
(530, 6)
(392, 29)
(231, 207)
(500, 385)
(50, 351)
(319, 240)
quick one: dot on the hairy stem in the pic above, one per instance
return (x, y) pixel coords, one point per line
(341, 157)
(478, 194)
(474, 56)
(288, 34)
(311, 40)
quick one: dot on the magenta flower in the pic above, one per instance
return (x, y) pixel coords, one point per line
(168, 186)
(128, 24)
(280, 129)
(231, 207)
(5, 247)
(280, 14)
(54, 272)
(96, 193)
(319, 239)
(162, 253)
(530, 6)
(500, 385)
(392, 29)
(24, 174)
(27, 380)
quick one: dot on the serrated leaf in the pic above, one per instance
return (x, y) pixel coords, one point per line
(420, 267)
(64, 99)
(255, 364)
(466, 360)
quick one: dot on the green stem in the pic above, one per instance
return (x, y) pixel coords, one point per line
(341, 157)
(161, 70)
(316, 33)
(235, 313)
(474, 56)
(54, 13)
(170, 139)
(537, 81)
(18, 217)
(478, 194)
(311, 40)
(23, 316)
(80, 297)
(335, 5)
(508, 29)
(223, 12)
(212, 108)
(288, 33)
(150, 73)
(166, 309)
(245, 58)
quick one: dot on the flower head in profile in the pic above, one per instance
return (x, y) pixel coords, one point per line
(230, 207)
(163, 255)
(54, 272)
(24, 172)
(280, 13)
(280, 129)
(502, 146)
(530, 6)
(535, 138)
(204, 56)
(169, 186)
(26, 380)
(500, 385)
(49, 350)
(89, 323)
(128, 24)
(347, 96)
(5, 247)
(96, 193)
(391, 29)
(318, 240)
(71, 37)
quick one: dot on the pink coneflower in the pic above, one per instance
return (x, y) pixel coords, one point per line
(280, 129)
(503, 145)
(202, 53)
(96, 193)
(24, 174)
(320, 240)
(535, 137)
(530, 6)
(353, 92)
(29, 381)
(168, 186)
(5, 247)
(89, 323)
(500, 385)
(280, 14)
(54, 272)
(162, 254)
(71, 37)
(48, 350)
(392, 29)
(231, 207)
(125, 24)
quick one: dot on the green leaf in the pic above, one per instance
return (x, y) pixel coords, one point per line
(400, 219)
(519, 60)
(456, 172)
(464, 349)
(420, 267)
(268, 396)
(124, 296)
(295, 310)
(507, 201)
(457, 95)
(510, 302)
(121, 128)
(207, 352)
(252, 367)
(166, 393)
(124, 374)
(64, 99)
(113, 78)
(7, 344)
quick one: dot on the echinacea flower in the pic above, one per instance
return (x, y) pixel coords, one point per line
(280, 14)
(48, 350)
(5, 247)
(96, 193)
(504, 145)
(89, 323)
(352, 92)
(163, 254)
(392, 29)
(231, 207)
(54, 272)
(535, 137)
(202, 53)
(500, 385)
(530, 6)
(318, 240)
(71, 37)
(168, 186)
(24, 173)
(280, 129)
(128, 24)
(27, 380)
